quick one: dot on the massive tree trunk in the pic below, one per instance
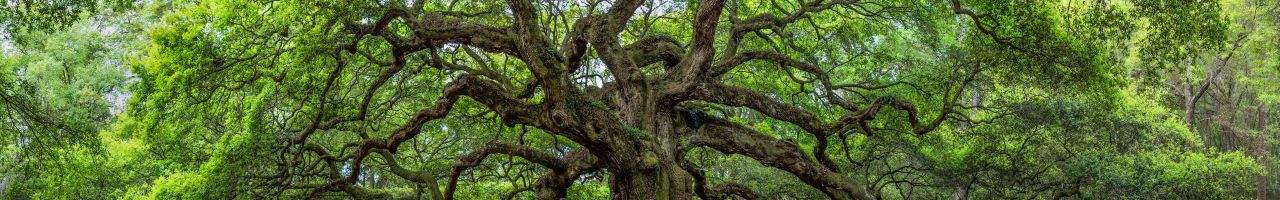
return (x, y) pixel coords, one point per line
(647, 169)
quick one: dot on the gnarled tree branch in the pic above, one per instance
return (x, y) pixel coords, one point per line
(730, 138)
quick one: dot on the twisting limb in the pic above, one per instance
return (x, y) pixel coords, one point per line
(482, 91)
(526, 18)
(821, 130)
(602, 32)
(736, 189)
(517, 191)
(989, 31)
(532, 47)
(784, 61)
(702, 50)
(574, 46)
(431, 30)
(806, 120)
(414, 176)
(726, 65)
(474, 158)
(767, 20)
(320, 114)
(651, 49)
(555, 184)
(434, 29)
(551, 186)
(334, 173)
(820, 151)
(719, 192)
(408, 130)
(858, 120)
(730, 138)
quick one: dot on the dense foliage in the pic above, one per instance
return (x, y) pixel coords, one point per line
(635, 99)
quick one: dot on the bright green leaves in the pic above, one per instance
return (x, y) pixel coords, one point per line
(72, 72)
(36, 16)
(1107, 147)
(1042, 44)
(1177, 175)
(181, 185)
(80, 170)
(61, 89)
(26, 20)
(1178, 30)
